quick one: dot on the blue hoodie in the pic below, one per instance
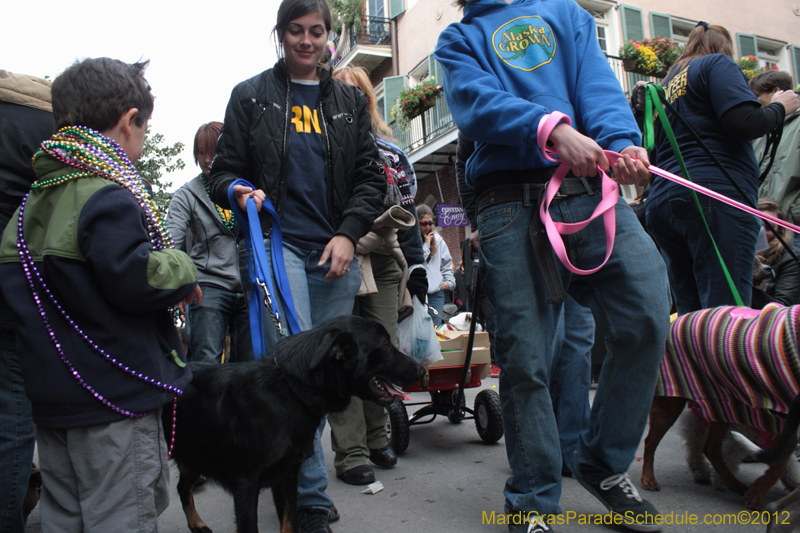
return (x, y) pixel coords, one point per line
(542, 56)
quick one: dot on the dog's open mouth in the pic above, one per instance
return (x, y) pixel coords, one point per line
(383, 390)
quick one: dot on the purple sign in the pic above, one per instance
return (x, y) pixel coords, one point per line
(451, 215)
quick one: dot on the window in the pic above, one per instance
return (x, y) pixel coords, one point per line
(668, 26)
(632, 26)
(770, 53)
(605, 23)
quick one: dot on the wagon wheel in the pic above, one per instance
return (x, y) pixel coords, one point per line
(397, 429)
(488, 416)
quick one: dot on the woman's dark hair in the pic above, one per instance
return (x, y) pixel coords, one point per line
(96, 92)
(768, 81)
(703, 42)
(205, 140)
(775, 249)
(290, 10)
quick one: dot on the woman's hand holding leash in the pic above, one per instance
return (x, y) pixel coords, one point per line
(340, 250)
(242, 193)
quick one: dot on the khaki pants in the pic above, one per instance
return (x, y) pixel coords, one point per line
(109, 477)
(362, 426)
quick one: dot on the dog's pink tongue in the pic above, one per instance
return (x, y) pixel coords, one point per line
(394, 391)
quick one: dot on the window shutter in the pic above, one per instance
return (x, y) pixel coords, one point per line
(632, 26)
(396, 7)
(796, 63)
(660, 25)
(747, 45)
(435, 70)
(391, 90)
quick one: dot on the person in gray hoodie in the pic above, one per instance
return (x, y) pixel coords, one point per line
(207, 232)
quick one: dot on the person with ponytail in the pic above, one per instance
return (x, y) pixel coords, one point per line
(709, 91)
(359, 432)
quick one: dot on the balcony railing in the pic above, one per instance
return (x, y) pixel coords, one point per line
(374, 31)
(433, 123)
(437, 121)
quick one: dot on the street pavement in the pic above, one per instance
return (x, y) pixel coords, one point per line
(450, 481)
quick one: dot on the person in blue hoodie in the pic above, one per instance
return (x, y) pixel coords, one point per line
(507, 67)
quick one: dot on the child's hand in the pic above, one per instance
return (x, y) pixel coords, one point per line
(195, 297)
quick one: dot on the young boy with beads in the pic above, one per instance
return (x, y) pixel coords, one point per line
(88, 267)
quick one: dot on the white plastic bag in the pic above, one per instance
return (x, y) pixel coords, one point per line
(417, 336)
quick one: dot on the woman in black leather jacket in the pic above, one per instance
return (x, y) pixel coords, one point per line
(778, 280)
(304, 141)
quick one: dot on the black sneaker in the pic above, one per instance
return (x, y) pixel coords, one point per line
(333, 514)
(312, 520)
(621, 498)
(535, 524)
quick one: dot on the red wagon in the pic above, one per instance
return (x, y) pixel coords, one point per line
(465, 363)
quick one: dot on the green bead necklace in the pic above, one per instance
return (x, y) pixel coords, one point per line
(228, 222)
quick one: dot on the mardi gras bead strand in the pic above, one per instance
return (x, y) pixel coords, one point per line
(228, 222)
(89, 150)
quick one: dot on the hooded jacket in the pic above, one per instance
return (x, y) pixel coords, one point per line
(254, 145)
(508, 65)
(195, 227)
(782, 184)
(89, 239)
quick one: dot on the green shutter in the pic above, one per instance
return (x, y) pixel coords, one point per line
(435, 70)
(796, 63)
(660, 25)
(632, 26)
(396, 7)
(747, 45)
(391, 90)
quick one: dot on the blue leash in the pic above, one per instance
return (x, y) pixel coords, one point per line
(259, 272)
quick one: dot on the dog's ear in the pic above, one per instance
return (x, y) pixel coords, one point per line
(334, 345)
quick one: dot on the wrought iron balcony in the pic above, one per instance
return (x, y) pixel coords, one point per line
(374, 39)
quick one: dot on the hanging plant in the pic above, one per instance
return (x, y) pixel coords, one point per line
(346, 13)
(650, 57)
(413, 101)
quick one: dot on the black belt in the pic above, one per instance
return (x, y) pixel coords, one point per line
(524, 192)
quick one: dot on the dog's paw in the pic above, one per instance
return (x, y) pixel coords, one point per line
(754, 499)
(650, 483)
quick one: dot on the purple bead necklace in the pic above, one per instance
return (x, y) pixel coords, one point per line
(88, 150)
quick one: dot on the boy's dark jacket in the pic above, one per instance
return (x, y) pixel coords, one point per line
(88, 237)
(254, 145)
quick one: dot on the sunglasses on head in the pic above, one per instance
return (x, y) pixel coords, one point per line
(426, 223)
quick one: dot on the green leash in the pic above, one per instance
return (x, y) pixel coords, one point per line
(653, 95)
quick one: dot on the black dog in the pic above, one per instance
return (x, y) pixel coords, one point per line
(249, 426)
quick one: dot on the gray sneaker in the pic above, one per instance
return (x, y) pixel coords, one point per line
(621, 498)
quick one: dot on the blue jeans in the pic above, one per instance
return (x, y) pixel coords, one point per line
(222, 313)
(571, 377)
(436, 301)
(16, 435)
(316, 301)
(695, 274)
(629, 299)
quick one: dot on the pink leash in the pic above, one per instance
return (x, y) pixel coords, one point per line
(610, 189)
